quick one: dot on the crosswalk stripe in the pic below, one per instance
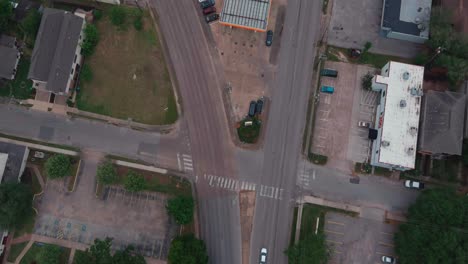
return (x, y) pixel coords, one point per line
(236, 187)
(226, 183)
(252, 187)
(211, 180)
(276, 193)
(186, 156)
(243, 185)
(188, 160)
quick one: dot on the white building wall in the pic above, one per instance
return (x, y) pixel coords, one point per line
(78, 57)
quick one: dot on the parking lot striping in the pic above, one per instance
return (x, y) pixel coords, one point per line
(386, 244)
(385, 233)
(334, 232)
(335, 223)
(335, 242)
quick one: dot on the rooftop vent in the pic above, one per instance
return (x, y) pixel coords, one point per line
(410, 151)
(416, 92)
(421, 27)
(385, 143)
(413, 131)
(403, 103)
(405, 76)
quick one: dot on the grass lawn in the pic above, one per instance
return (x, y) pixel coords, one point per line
(309, 220)
(35, 250)
(156, 182)
(376, 60)
(130, 77)
(20, 87)
(28, 225)
(15, 250)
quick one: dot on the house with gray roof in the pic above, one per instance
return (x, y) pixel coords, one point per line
(9, 56)
(406, 20)
(13, 160)
(442, 124)
(56, 57)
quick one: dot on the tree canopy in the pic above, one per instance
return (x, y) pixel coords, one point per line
(90, 41)
(181, 208)
(30, 24)
(106, 173)
(436, 230)
(50, 254)
(118, 15)
(134, 182)
(15, 204)
(100, 253)
(187, 249)
(6, 11)
(311, 250)
(58, 166)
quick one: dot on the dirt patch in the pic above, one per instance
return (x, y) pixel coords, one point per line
(247, 209)
(130, 78)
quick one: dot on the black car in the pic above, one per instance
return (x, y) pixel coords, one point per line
(259, 107)
(252, 108)
(207, 3)
(211, 18)
(269, 38)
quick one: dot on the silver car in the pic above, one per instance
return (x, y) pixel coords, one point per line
(263, 256)
(388, 259)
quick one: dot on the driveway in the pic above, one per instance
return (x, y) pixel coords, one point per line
(354, 22)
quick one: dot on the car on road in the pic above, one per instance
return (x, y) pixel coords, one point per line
(209, 10)
(327, 89)
(269, 38)
(207, 3)
(211, 18)
(363, 124)
(388, 259)
(263, 256)
(414, 184)
(252, 108)
(259, 108)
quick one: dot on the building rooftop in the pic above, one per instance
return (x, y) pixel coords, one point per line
(9, 56)
(11, 161)
(407, 16)
(442, 120)
(400, 120)
(249, 14)
(55, 47)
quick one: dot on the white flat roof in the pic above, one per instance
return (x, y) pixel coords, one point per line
(400, 122)
(3, 162)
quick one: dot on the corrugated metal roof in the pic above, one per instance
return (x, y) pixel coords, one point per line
(246, 13)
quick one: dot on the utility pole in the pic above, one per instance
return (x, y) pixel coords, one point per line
(439, 50)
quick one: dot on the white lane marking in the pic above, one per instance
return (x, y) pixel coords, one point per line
(313, 175)
(178, 162)
(276, 193)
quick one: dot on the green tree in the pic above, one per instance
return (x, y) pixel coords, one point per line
(118, 15)
(127, 256)
(91, 40)
(30, 24)
(100, 253)
(187, 249)
(181, 208)
(436, 229)
(106, 173)
(134, 182)
(50, 254)
(58, 166)
(6, 11)
(311, 250)
(366, 81)
(15, 204)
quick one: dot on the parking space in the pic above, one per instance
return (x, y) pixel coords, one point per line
(336, 131)
(355, 22)
(358, 240)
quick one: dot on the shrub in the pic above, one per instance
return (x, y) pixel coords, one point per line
(97, 14)
(249, 134)
(86, 74)
(106, 173)
(90, 41)
(134, 182)
(367, 46)
(187, 249)
(58, 166)
(138, 21)
(366, 81)
(118, 15)
(181, 208)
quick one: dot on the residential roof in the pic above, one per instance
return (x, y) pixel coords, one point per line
(442, 123)
(11, 161)
(407, 16)
(400, 121)
(55, 47)
(250, 14)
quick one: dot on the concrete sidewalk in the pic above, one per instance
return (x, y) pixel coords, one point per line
(39, 146)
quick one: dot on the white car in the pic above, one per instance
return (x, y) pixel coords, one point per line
(263, 256)
(387, 259)
(414, 184)
(363, 124)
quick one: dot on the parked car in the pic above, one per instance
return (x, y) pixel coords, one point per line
(211, 18)
(327, 89)
(388, 259)
(329, 73)
(263, 256)
(252, 107)
(414, 184)
(209, 10)
(269, 38)
(363, 124)
(207, 3)
(259, 108)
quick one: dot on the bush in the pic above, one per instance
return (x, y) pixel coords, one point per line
(367, 46)
(181, 208)
(134, 182)
(362, 168)
(318, 159)
(97, 14)
(187, 249)
(249, 134)
(117, 15)
(138, 21)
(15, 204)
(106, 173)
(91, 40)
(58, 166)
(366, 81)
(86, 74)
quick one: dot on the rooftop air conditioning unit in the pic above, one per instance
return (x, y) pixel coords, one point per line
(403, 103)
(385, 143)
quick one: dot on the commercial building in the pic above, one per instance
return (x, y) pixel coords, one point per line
(247, 14)
(397, 117)
(406, 19)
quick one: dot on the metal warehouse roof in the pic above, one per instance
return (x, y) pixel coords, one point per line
(251, 14)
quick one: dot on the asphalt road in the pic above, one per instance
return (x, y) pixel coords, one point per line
(285, 127)
(211, 147)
